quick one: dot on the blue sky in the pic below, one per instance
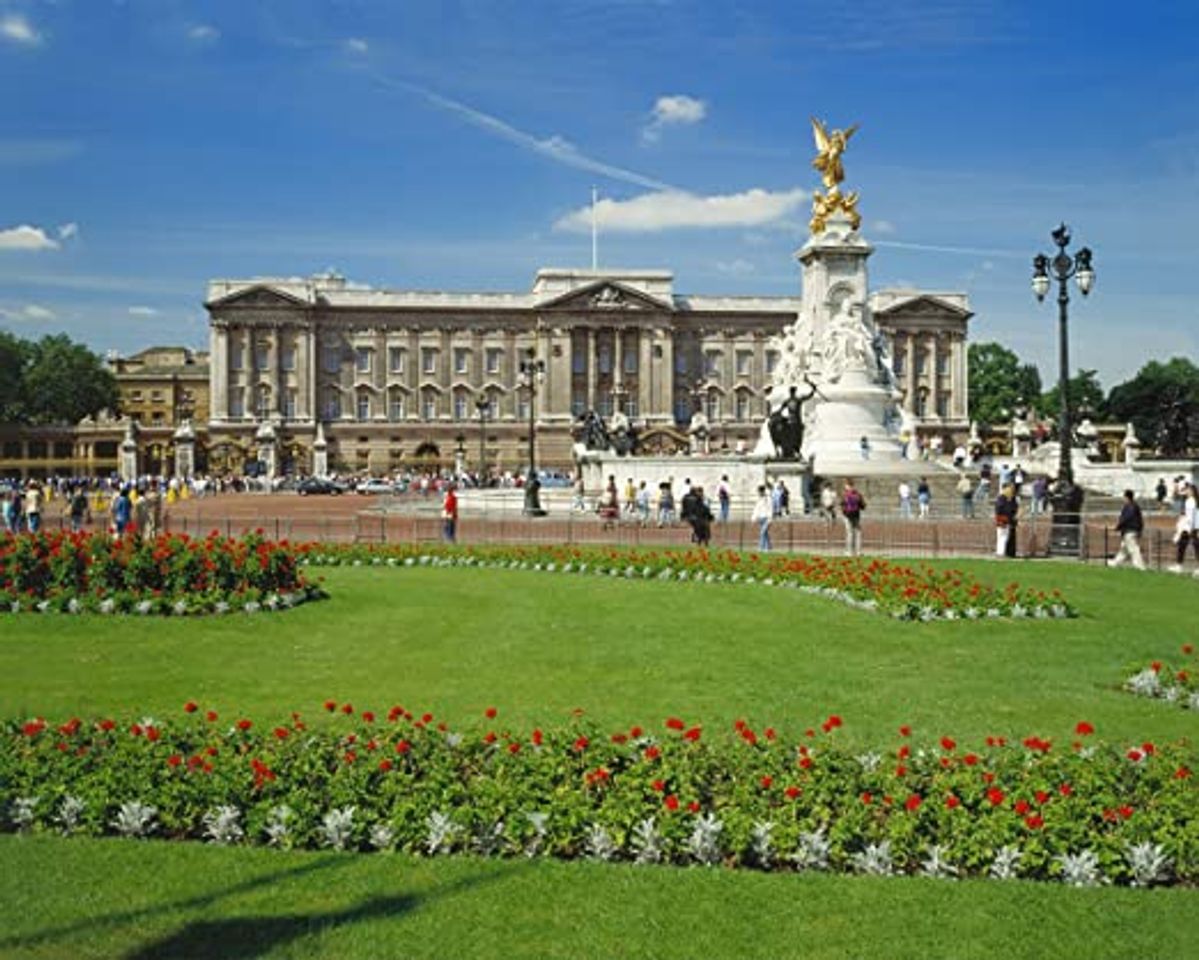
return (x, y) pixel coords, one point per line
(149, 145)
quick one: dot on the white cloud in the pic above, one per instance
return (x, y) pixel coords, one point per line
(16, 29)
(203, 33)
(674, 209)
(554, 147)
(30, 313)
(357, 45)
(68, 231)
(675, 110)
(142, 312)
(882, 226)
(25, 237)
(735, 268)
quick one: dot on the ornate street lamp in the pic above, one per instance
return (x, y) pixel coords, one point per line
(1065, 496)
(482, 405)
(532, 373)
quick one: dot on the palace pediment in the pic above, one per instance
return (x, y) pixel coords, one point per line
(604, 295)
(259, 296)
(922, 305)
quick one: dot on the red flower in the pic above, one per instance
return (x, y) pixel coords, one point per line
(970, 759)
(769, 733)
(767, 782)
(671, 802)
(995, 796)
(368, 716)
(190, 707)
(805, 763)
(106, 725)
(174, 760)
(1042, 797)
(952, 802)
(809, 732)
(1125, 811)
(913, 802)
(330, 705)
(244, 724)
(749, 736)
(652, 753)
(347, 708)
(581, 744)
(152, 734)
(1034, 821)
(1020, 806)
(792, 792)
(635, 732)
(350, 756)
(905, 731)
(693, 734)
(903, 752)
(833, 721)
(1188, 648)
(489, 737)
(211, 716)
(1156, 666)
(282, 733)
(619, 738)
(385, 764)
(1084, 729)
(1135, 755)
(1065, 789)
(135, 730)
(1149, 749)
(867, 798)
(901, 770)
(693, 806)
(426, 718)
(1182, 773)
(1182, 676)
(490, 713)
(659, 786)
(211, 751)
(403, 746)
(674, 723)
(948, 743)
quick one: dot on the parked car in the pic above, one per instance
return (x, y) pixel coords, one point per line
(375, 485)
(319, 485)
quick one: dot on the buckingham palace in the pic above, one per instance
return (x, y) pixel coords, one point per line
(394, 379)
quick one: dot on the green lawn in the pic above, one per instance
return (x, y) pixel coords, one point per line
(536, 646)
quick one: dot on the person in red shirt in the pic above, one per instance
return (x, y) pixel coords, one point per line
(449, 514)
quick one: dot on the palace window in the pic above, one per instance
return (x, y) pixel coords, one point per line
(237, 356)
(630, 407)
(899, 364)
(289, 405)
(332, 405)
(604, 360)
(922, 403)
(262, 401)
(522, 406)
(262, 356)
(713, 405)
(682, 408)
(493, 359)
(605, 405)
(428, 403)
(942, 363)
(745, 363)
(942, 405)
(578, 356)
(288, 358)
(680, 362)
(712, 363)
(629, 360)
(156, 396)
(461, 412)
(772, 361)
(237, 403)
(428, 360)
(395, 405)
(493, 404)
(578, 404)
(743, 405)
(921, 363)
(331, 358)
(461, 360)
(395, 359)
(364, 406)
(362, 359)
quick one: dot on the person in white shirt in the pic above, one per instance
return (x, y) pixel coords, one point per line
(905, 500)
(762, 515)
(1187, 531)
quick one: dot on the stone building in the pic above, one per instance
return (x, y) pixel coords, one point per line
(400, 379)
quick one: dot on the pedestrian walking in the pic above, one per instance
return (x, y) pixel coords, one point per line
(643, 504)
(965, 490)
(449, 514)
(852, 505)
(1007, 509)
(1187, 530)
(924, 497)
(905, 500)
(724, 496)
(828, 503)
(1129, 525)
(77, 507)
(762, 515)
(33, 506)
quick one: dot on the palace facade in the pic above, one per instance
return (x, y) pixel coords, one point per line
(393, 379)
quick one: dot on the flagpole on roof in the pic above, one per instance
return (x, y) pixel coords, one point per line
(594, 232)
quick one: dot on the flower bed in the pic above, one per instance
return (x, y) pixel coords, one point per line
(676, 793)
(1174, 683)
(169, 575)
(899, 590)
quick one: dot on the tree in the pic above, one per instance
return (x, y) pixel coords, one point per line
(12, 370)
(64, 381)
(999, 383)
(1085, 393)
(1157, 395)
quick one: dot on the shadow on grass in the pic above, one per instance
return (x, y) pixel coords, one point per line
(243, 938)
(187, 903)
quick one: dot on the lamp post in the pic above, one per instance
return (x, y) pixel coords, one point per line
(482, 405)
(1065, 496)
(532, 372)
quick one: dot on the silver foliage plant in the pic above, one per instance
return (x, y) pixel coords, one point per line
(381, 837)
(135, 819)
(813, 850)
(1006, 865)
(599, 843)
(337, 827)
(704, 843)
(278, 826)
(222, 825)
(70, 812)
(441, 833)
(22, 813)
(761, 844)
(539, 822)
(489, 838)
(1148, 863)
(936, 866)
(875, 860)
(647, 842)
(1080, 869)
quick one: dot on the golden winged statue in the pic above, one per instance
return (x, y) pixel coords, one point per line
(829, 146)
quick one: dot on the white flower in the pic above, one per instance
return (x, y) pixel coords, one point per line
(869, 761)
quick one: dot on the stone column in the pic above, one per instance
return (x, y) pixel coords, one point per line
(934, 378)
(663, 387)
(592, 363)
(218, 373)
(645, 373)
(910, 399)
(617, 359)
